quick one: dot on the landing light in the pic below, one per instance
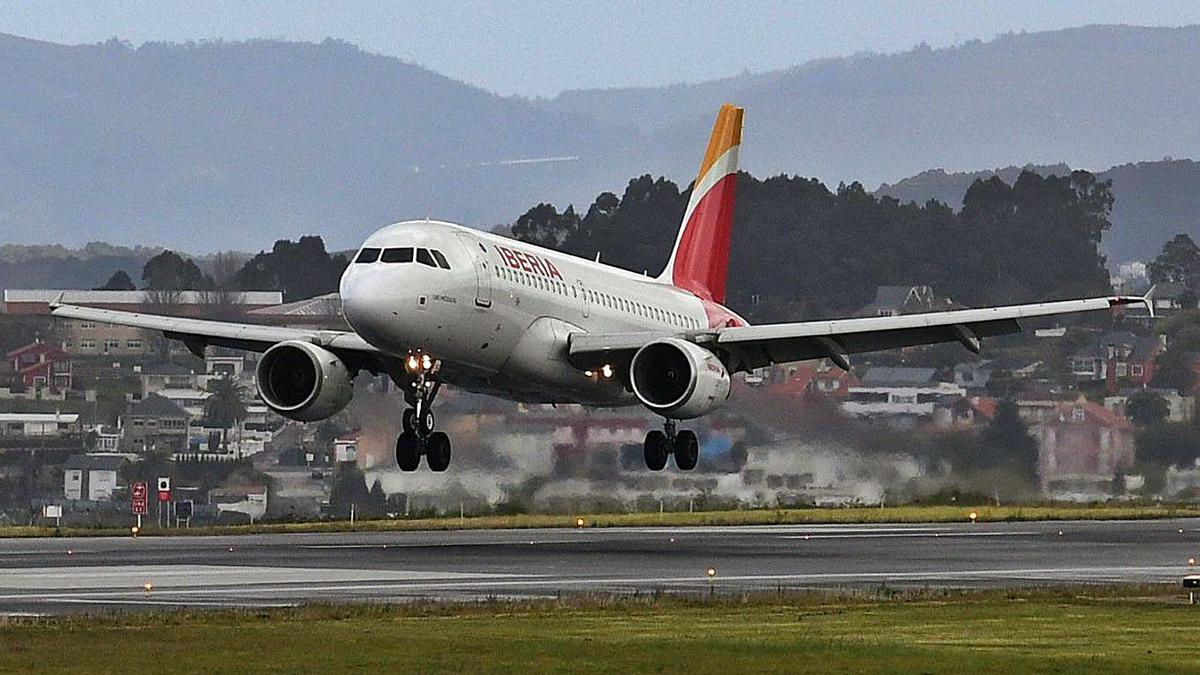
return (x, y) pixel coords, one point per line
(606, 371)
(589, 373)
(413, 362)
(426, 362)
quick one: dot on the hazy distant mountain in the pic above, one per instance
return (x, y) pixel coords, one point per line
(1154, 200)
(1093, 97)
(230, 145)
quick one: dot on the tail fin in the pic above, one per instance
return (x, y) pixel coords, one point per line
(700, 261)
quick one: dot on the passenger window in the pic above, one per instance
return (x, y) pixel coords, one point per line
(397, 255)
(441, 259)
(424, 258)
(368, 255)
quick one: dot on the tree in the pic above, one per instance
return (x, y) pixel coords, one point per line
(543, 225)
(119, 281)
(224, 409)
(349, 488)
(1175, 369)
(169, 271)
(301, 269)
(376, 503)
(1008, 434)
(1146, 408)
(1178, 263)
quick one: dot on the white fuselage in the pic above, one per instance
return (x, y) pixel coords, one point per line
(499, 318)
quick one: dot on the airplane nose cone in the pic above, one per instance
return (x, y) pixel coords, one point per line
(363, 295)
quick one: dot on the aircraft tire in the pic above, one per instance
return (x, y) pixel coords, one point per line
(687, 450)
(655, 450)
(408, 451)
(437, 451)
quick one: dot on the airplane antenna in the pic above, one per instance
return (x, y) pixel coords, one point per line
(597, 256)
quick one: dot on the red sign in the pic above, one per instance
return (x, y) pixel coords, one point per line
(164, 489)
(139, 493)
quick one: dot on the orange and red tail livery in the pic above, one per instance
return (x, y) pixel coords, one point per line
(700, 261)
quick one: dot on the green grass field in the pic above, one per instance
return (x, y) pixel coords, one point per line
(891, 514)
(1089, 631)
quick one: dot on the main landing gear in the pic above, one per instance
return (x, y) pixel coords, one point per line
(683, 444)
(418, 436)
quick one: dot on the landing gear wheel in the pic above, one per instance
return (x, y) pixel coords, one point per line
(409, 420)
(408, 451)
(656, 450)
(437, 451)
(687, 450)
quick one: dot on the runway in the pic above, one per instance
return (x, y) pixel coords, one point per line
(49, 576)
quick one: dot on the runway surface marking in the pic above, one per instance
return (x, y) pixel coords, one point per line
(93, 577)
(467, 581)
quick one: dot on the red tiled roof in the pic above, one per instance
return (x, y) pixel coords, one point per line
(39, 347)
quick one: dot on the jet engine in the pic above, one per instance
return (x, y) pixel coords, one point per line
(304, 382)
(678, 379)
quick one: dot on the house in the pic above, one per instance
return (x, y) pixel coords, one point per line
(898, 300)
(1119, 359)
(90, 477)
(899, 392)
(221, 366)
(155, 423)
(965, 412)
(38, 365)
(1172, 297)
(810, 380)
(1179, 408)
(39, 425)
(191, 400)
(158, 376)
(973, 375)
(345, 449)
(248, 500)
(1082, 449)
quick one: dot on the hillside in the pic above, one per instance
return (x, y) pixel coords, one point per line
(1093, 97)
(1154, 200)
(232, 145)
(216, 145)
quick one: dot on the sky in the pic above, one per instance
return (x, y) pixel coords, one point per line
(541, 48)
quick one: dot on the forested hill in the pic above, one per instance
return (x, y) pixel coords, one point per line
(1092, 97)
(1154, 200)
(211, 146)
(802, 251)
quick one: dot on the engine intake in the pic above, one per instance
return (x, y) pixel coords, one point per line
(304, 382)
(678, 379)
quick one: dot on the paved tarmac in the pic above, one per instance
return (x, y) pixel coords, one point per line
(46, 576)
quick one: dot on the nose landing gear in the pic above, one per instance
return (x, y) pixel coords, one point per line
(683, 444)
(418, 436)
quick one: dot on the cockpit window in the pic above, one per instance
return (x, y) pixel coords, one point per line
(424, 258)
(397, 255)
(368, 255)
(441, 259)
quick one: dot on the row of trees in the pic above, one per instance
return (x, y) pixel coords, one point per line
(801, 250)
(301, 269)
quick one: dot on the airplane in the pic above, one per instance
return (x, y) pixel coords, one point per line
(432, 302)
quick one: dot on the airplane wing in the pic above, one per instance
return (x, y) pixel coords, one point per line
(197, 334)
(749, 347)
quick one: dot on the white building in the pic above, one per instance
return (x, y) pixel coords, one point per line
(39, 425)
(894, 392)
(90, 477)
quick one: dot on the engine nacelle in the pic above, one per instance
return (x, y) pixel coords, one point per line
(678, 379)
(303, 382)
